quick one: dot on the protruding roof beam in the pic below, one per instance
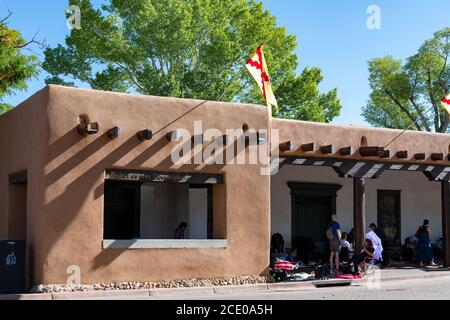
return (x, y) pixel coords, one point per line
(286, 146)
(437, 156)
(386, 154)
(145, 135)
(347, 151)
(371, 151)
(114, 133)
(402, 154)
(309, 147)
(420, 156)
(329, 149)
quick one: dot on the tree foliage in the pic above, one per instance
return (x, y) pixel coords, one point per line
(15, 67)
(408, 94)
(189, 49)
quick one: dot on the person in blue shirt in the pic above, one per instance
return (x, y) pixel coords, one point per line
(335, 243)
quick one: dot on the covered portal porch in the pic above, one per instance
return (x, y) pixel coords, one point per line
(395, 196)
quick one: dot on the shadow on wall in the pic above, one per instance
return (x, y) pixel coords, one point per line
(75, 193)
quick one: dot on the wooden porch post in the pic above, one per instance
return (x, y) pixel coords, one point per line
(445, 197)
(359, 212)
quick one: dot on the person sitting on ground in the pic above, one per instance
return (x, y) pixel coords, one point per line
(347, 245)
(277, 249)
(179, 232)
(367, 254)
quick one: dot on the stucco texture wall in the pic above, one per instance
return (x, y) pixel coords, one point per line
(341, 136)
(420, 198)
(23, 136)
(73, 177)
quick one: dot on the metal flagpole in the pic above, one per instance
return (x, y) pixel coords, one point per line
(404, 131)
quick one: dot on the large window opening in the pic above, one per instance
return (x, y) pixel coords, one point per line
(152, 208)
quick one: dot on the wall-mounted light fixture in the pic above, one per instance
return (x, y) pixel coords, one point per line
(115, 133)
(85, 129)
(145, 135)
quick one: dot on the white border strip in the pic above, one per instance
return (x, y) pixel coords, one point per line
(165, 244)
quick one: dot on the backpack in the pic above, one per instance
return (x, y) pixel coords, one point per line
(330, 235)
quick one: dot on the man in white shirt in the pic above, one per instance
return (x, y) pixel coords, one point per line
(376, 241)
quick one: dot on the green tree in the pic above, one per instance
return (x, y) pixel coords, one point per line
(189, 49)
(15, 67)
(408, 94)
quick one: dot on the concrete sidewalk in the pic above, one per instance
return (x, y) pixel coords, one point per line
(389, 274)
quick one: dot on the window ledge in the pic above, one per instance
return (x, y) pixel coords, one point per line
(165, 244)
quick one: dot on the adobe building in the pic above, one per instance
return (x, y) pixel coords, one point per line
(87, 180)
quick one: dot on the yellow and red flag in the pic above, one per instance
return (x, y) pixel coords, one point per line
(446, 103)
(257, 66)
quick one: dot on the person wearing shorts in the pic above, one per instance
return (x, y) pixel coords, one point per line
(335, 243)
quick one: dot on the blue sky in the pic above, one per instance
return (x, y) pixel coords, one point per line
(332, 35)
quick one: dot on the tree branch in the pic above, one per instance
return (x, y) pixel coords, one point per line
(423, 119)
(437, 124)
(133, 78)
(41, 44)
(7, 17)
(403, 109)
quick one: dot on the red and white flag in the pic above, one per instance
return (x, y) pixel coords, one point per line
(446, 103)
(257, 66)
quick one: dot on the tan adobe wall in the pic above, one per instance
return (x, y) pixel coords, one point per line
(72, 215)
(23, 138)
(340, 136)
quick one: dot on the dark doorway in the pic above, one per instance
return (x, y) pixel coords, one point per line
(122, 210)
(389, 215)
(17, 206)
(312, 207)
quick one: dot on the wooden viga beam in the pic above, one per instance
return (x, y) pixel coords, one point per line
(114, 133)
(402, 154)
(308, 147)
(420, 156)
(286, 146)
(145, 135)
(437, 156)
(347, 151)
(329, 149)
(371, 151)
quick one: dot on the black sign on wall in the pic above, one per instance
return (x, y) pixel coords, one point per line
(163, 177)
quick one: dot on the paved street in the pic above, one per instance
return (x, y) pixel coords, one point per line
(423, 289)
(393, 283)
